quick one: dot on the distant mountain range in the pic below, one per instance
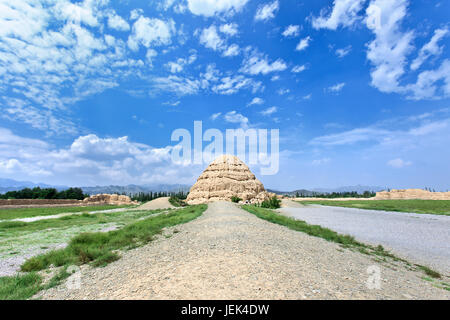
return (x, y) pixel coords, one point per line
(359, 189)
(13, 185)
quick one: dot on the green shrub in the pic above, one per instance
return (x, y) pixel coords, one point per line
(272, 203)
(177, 202)
(235, 199)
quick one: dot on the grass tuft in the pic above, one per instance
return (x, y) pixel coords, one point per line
(97, 247)
(439, 207)
(346, 241)
(20, 287)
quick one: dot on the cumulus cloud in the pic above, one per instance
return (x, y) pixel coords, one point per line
(210, 8)
(232, 51)
(151, 31)
(117, 22)
(230, 29)
(211, 39)
(267, 11)
(303, 44)
(235, 117)
(256, 63)
(89, 160)
(387, 52)
(269, 111)
(256, 101)
(291, 31)
(344, 13)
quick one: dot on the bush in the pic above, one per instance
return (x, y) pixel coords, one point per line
(177, 202)
(272, 203)
(235, 199)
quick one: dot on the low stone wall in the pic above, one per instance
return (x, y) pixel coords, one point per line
(411, 194)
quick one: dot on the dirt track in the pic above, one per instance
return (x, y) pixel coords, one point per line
(228, 253)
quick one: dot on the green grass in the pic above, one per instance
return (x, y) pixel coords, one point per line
(20, 287)
(299, 225)
(71, 220)
(439, 207)
(95, 248)
(98, 248)
(330, 235)
(8, 214)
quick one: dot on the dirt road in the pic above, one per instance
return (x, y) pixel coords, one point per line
(228, 253)
(420, 238)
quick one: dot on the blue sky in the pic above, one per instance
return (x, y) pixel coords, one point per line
(90, 91)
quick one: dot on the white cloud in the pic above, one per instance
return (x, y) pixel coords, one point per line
(151, 31)
(210, 8)
(282, 92)
(291, 31)
(180, 63)
(298, 69)
(256, 63)
(214, 116)
(398, 163)
(303, 44)
(256, 101)
(267, 11)
(427, 81)
(344, 13)
(90, 160)
(336, 88)
(389, 49)
(230, 29)
(232, 51)
(210, 80)
(269, 111)
(430, 49)
(117, 22)
(342, 52)
(234, 117)
(211, 39)
(232, 84)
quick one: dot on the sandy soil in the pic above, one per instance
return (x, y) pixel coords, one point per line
(159, 203)
(228, 253)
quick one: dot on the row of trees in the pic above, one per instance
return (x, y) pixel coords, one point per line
(149, 196)
(45, 193)
(352, 194)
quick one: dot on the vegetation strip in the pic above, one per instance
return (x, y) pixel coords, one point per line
(97, 248)
(19, 213)
(330, 235)
(438, 207)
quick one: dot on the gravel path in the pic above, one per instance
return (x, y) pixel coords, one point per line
(420, 238)
(228, 253)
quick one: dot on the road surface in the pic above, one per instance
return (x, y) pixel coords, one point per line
(421, 238)
(228, 253)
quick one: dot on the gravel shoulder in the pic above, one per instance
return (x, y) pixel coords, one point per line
(419, 238)
(228, 253)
